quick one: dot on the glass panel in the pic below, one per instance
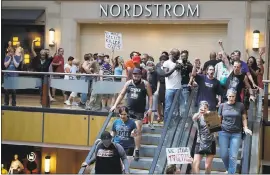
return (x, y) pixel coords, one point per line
(107, 87)
(21, 82)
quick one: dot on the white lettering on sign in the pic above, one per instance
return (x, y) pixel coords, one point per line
(159, 10)
(113, 40)
(178, 155)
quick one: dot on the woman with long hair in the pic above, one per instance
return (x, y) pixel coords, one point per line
(205, 144)
(118, 68)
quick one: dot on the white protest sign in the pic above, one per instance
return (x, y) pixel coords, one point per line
(179, 155)
(113, 41)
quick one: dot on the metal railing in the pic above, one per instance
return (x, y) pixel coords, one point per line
(84, 83)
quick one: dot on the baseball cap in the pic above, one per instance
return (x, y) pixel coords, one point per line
(136, 59)
(137, 71)
(106, 135)
(101, 54)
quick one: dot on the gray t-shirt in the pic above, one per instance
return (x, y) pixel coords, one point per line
(204, 136)
(231, 117)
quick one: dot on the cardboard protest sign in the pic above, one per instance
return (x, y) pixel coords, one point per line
(113, 41)
(178, 155)
(212, 121)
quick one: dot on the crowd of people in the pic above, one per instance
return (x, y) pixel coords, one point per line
(225, 84)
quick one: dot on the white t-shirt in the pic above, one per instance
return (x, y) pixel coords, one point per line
(66, 66)
(174, 80)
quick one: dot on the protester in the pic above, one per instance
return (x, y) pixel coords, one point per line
(233, 122)
(209, 87)
(136, 89)
(152, 78)
(161, 88)
(172, 79)
(124, 131)
(185, 73)
(108, 156)
(11, 63)
(205, 144)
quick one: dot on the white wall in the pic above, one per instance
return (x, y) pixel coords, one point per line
(200, 40)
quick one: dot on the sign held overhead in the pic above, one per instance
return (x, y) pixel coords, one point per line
(113, 41)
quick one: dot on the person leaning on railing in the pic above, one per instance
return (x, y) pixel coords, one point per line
(11, 63)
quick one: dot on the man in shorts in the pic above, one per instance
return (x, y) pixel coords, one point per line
(136, 90)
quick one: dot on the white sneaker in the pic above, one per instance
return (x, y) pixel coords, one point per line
(67, 102)
(151, 126)
(74, 104)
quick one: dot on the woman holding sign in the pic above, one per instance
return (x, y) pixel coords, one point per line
(233, 122)
(206, 144)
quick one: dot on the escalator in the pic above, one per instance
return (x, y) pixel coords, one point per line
(179, 131)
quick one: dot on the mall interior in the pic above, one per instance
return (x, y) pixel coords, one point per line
(55, 138)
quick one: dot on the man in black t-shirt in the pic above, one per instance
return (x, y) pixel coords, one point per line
(136, 89)
(185, 73)
(238, 81)
(108, 156)
(213, 61)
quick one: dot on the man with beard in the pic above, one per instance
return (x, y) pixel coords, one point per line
(136, 89)
(172, 73)
(209, 87)
(237, 81)
(108, 156)
(185, 73)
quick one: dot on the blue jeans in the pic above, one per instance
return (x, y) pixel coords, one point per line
(83, 98)
(169, 96)
(229, 157)
(184, 98)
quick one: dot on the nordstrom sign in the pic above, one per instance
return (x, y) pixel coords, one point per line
(149, 10)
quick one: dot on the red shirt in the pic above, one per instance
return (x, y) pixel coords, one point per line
(58, 59)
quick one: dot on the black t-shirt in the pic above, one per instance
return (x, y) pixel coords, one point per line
(210, 62)
(136, 96)
(236, 82)
(39, 66)
(160, 72)
(185, 71)
(153, 79)
(107, 160)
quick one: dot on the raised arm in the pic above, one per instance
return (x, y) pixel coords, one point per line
(32, 48)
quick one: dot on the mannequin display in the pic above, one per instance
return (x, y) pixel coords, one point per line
(16, 166)
(9, 46)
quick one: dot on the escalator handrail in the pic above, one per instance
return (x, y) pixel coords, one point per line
(184, 122)
(92, 150)
(164, 133)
